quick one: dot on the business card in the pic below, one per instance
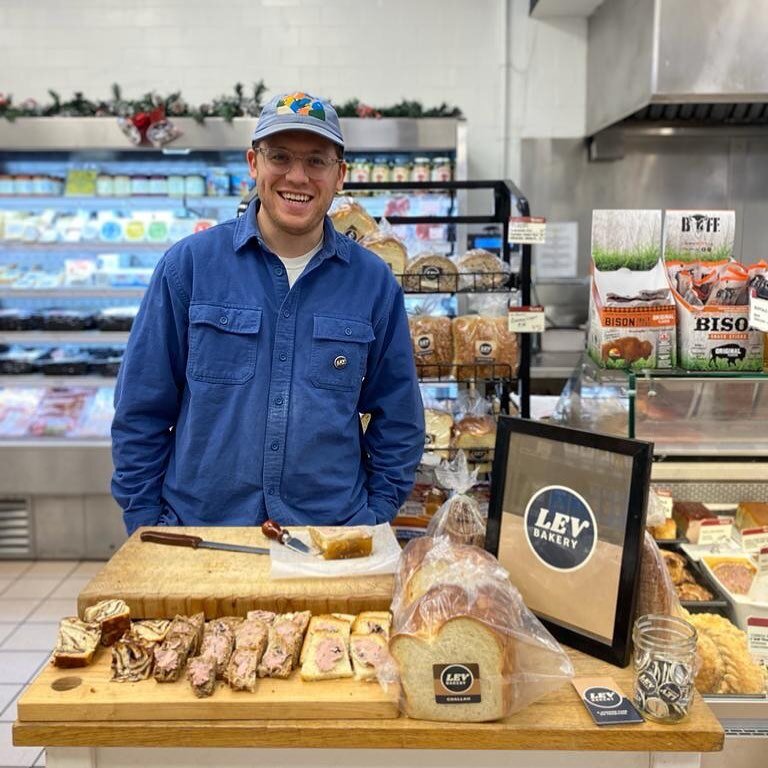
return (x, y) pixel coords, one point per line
(605, 701)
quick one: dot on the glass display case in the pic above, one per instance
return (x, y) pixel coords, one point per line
(683, 414)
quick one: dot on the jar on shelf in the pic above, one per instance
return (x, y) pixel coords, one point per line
(381, 169)
(665, 658)
(360, 170)
(175, 186)
(194, 185)
(22, 185)
(421, 169)
(441, 169)
(401, 168)
(158, 185)
(139, 185)
(105, 185)
(6, 184)
(121, 185)
(216, 182)
(41, 185)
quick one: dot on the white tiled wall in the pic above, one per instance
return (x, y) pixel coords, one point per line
(377, 50)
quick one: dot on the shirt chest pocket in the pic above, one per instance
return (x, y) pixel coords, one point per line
(339, 352)
(223, 343)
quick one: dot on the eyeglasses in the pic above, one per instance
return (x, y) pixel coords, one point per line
(282, 160)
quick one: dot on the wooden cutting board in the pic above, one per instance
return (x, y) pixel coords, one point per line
(87, 694)
(159, 581)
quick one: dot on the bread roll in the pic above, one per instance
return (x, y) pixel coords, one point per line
(390, 249)
(476, 435)
(480, 270)
(439, 425)
(432, 339)
(484, 348)
(352, 220)
(430, 273)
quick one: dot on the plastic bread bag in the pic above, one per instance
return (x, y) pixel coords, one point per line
(484, 347)
(385, 243)
(438, 422)
(481, 270)
(430, 273)
(459, 518)
(656, 593)
(351, 219)
(464, 646)
(474, 430)
(432, 340)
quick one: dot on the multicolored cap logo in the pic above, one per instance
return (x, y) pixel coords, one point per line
(301, 104)
(299, 111)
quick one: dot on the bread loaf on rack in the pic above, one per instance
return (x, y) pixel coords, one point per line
(484, 348)
(430, 273)
(432, 339)
(480, 270)
(352, 220)
(389, 249)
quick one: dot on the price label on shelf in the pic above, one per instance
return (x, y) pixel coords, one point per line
(526, 319)
(762, 562)
(716, 529)
(527, 229)
(757, 636)
(758, 312)
(754, 539)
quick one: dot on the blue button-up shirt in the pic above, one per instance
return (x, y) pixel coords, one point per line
(238, 398)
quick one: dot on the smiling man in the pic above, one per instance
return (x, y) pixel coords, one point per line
(258, 343)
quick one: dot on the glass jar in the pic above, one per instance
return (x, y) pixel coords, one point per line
(122, 185)
(105, 185)
(6, 184)
(139, 185)
(41, 185)
(194, 186)
(176, 186)
(360, 170)
(381, 169)
(421, 169)
(158, 185)
(665, 658)
(441, 169)
(401, 168)
(22, 185)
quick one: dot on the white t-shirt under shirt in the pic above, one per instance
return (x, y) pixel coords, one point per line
(294, 267)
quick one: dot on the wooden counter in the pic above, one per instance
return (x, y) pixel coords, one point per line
(557, 722)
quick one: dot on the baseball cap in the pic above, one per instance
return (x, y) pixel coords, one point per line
(299, 112)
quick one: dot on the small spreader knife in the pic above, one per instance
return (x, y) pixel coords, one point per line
(183, 540)
(272, 530)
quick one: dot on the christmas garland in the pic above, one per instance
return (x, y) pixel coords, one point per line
(173, 105)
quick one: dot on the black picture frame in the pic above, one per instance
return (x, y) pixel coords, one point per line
(618, 650)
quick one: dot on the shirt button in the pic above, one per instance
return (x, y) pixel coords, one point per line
(348, 331)
(223, 320)
(278, 401)
(286, 313)
(275, 445)
(283, 356)
(278, 270)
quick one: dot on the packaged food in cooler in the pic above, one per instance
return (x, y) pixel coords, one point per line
(17, 408)
(736, 574)
(59, 411)
(688, 515)
(65, 320)
(17, 320)
(666, 530)
(751, 514)
(116, 318)
(430, 273)
(65, 361)
(476, 435)
(19, 361)
(97, 415)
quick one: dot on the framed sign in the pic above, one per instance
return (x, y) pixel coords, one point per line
(566, 519)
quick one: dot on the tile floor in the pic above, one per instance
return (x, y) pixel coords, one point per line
(34, 595)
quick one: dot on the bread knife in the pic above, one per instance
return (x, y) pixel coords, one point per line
(195, 542)
(272, 530)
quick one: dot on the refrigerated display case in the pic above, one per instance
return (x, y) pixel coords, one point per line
(84, 217)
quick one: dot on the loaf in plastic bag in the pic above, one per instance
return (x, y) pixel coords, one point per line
(459, 518)
(464, 647)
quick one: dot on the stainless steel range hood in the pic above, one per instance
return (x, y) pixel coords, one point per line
(685, 62)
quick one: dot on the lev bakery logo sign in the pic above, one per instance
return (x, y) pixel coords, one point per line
(457, 683)
(560, 528)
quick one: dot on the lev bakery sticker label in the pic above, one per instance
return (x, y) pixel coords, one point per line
(560, 528)
(457, 683)
(605, 701)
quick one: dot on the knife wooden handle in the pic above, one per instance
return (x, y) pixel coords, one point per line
(176, 539)
(272, 530)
